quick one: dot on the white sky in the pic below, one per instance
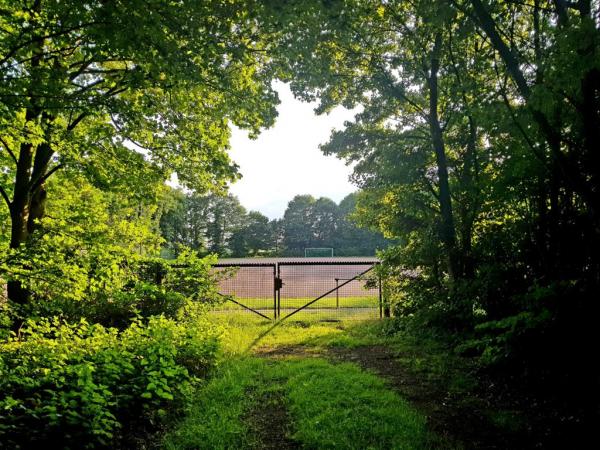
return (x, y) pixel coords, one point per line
(285, 160)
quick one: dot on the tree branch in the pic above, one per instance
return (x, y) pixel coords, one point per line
(62, 32)
(41, 180)
(75, 122)
(510, 60)
(10, 152)
(5, 197)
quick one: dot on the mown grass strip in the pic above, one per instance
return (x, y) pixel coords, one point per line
(213, 416)
(330, 405)
(341, 406)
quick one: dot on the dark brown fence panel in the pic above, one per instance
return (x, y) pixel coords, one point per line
(348, 293)
(250, 288)
(316, 288)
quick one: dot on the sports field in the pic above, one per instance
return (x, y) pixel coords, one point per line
(326, 302)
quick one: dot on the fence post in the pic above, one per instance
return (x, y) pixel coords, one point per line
(275, 290)
(337, 293)
(380, 298)
(280, 283)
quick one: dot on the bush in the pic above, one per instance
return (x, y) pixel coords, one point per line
(153, 287)
(81, 385)
(142, 300)
(548, 343)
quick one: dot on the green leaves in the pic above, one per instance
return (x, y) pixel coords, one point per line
(126, 95)
(79, 383)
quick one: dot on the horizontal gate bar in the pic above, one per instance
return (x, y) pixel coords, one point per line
(243, 265)
(329, 263)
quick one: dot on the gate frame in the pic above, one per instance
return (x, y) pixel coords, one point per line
(371, 265)
(257, 264)
(278, 282)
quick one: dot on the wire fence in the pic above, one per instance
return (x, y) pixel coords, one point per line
(319, 288)
(248, 288)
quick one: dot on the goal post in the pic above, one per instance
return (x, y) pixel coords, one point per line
(318, 252)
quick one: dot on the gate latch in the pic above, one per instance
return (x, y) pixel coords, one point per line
(278, 283)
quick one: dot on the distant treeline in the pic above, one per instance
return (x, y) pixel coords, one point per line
(220, 224)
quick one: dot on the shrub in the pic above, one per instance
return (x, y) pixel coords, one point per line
(153, 287)
(548, 342)
(141, 300)
(81, 385)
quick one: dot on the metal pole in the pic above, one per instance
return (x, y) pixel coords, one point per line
(275, 292)
(380, 299)
(279, 292)
(337, 294)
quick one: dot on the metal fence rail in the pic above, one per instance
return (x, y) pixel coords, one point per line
(321, 288)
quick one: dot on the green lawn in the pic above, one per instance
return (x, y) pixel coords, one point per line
(297, 383)
(246, 332)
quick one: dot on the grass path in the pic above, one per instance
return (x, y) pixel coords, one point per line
(329, 406)
(329, 385)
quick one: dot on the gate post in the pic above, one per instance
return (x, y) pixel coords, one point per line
(380, 298)
(275, 290)
(279, 284)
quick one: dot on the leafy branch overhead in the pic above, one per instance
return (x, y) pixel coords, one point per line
(126, 93)
(85, 84)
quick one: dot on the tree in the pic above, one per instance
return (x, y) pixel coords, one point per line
(225, 217)
(88, 85)
(297, 225)
(184, 221)
(470, 131)
(88, 247)
(205, 223)
(393, 59)
(565, 48)
(310, 222)
(325, 217)
(352, 238)
(254, 237)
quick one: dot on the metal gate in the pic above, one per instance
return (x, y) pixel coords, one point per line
(319, 288)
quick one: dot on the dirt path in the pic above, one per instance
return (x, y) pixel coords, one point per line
(270, 423)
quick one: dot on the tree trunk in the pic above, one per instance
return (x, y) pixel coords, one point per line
(471, 202)
(37, 184)
(19, 212)
(21, 202)
(448, 231)
(29, 201)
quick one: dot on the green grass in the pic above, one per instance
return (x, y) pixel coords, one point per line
(245, 332)
(330, 406)
(341, 406)
(292, 303)
(213, 418)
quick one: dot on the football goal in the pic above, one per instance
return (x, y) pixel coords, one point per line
(318, 252)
